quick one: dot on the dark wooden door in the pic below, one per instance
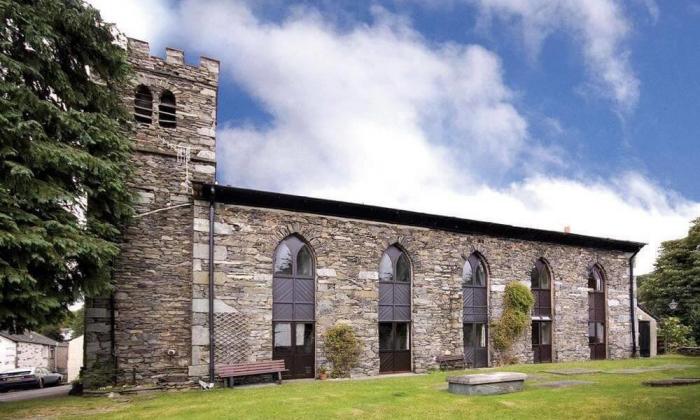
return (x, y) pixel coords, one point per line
(294, 343)
(542, 341)
(475, 327)
(475, 344)
(394, 347)
(596, 325)
(644, 338)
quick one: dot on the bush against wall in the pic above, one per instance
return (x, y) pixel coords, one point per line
(517, 304)
(675, 334)
(342, 349)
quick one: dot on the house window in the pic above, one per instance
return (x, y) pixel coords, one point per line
(143, 104)
(394, 311)
(167, 110)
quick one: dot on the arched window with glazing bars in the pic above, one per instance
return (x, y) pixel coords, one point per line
(541, 286)
(293, 307)
(475, 311)
(394, 311)
(597, 312)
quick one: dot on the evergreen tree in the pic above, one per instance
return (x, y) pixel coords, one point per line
(64, 157)
(676, 277)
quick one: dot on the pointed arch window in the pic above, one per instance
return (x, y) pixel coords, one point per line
(143, 104)
(475, 311)
(167, 116)
(541, 286)
(597, 313)
(293, 308)
(541, 283)
(394, 311)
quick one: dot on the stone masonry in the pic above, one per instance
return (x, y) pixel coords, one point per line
(153, 275)
(347, 258)
(155, 325)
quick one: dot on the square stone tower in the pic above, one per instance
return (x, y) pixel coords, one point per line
(143, 330)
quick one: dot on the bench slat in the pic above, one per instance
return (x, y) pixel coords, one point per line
(251, 368)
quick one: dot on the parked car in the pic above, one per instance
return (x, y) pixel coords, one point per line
(37, 377)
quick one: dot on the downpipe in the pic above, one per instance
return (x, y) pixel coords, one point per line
(633, 310)
(211, 285)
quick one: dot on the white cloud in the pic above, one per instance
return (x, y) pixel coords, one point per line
(373, 105)
(147, 20)
(377, 114)
(599, 26)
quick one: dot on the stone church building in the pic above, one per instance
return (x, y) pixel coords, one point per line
(212, 275)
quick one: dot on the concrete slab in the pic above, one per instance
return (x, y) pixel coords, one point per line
(486, 383)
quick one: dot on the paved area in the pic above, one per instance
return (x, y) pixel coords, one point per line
(30, 394)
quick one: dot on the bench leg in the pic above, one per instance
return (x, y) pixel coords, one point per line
(279, 378)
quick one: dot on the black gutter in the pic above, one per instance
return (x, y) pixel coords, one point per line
(633, 310)
(265, 199)
(211, 285)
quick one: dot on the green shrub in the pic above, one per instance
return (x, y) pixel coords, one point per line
(342, 349)
(517, 304)
(675, 334)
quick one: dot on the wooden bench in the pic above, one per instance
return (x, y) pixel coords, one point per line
(451, 362)
(230, 372)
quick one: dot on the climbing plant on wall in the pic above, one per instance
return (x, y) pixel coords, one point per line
(517, 304)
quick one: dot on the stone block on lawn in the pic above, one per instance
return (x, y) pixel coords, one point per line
(486, 383)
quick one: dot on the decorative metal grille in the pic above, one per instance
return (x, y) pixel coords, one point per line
(231, 334)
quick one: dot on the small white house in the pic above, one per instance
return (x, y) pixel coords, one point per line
(30, 349)
(75, 357)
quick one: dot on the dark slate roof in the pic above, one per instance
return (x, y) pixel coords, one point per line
(29, 337)
(266, 199)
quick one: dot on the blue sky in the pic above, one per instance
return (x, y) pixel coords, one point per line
(538, 113)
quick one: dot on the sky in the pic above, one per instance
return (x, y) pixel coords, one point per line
(539, 113)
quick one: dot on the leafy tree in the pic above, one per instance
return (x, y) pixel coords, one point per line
(77, 322)
(676, 276)
(52, 331)
(64, 157)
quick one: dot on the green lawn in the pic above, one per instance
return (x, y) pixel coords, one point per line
(419, 396)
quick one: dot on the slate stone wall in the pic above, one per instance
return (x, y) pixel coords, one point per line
(347, 257)
(153, 274)
(160, 301)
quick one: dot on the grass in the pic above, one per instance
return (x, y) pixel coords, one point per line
(418, 396)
